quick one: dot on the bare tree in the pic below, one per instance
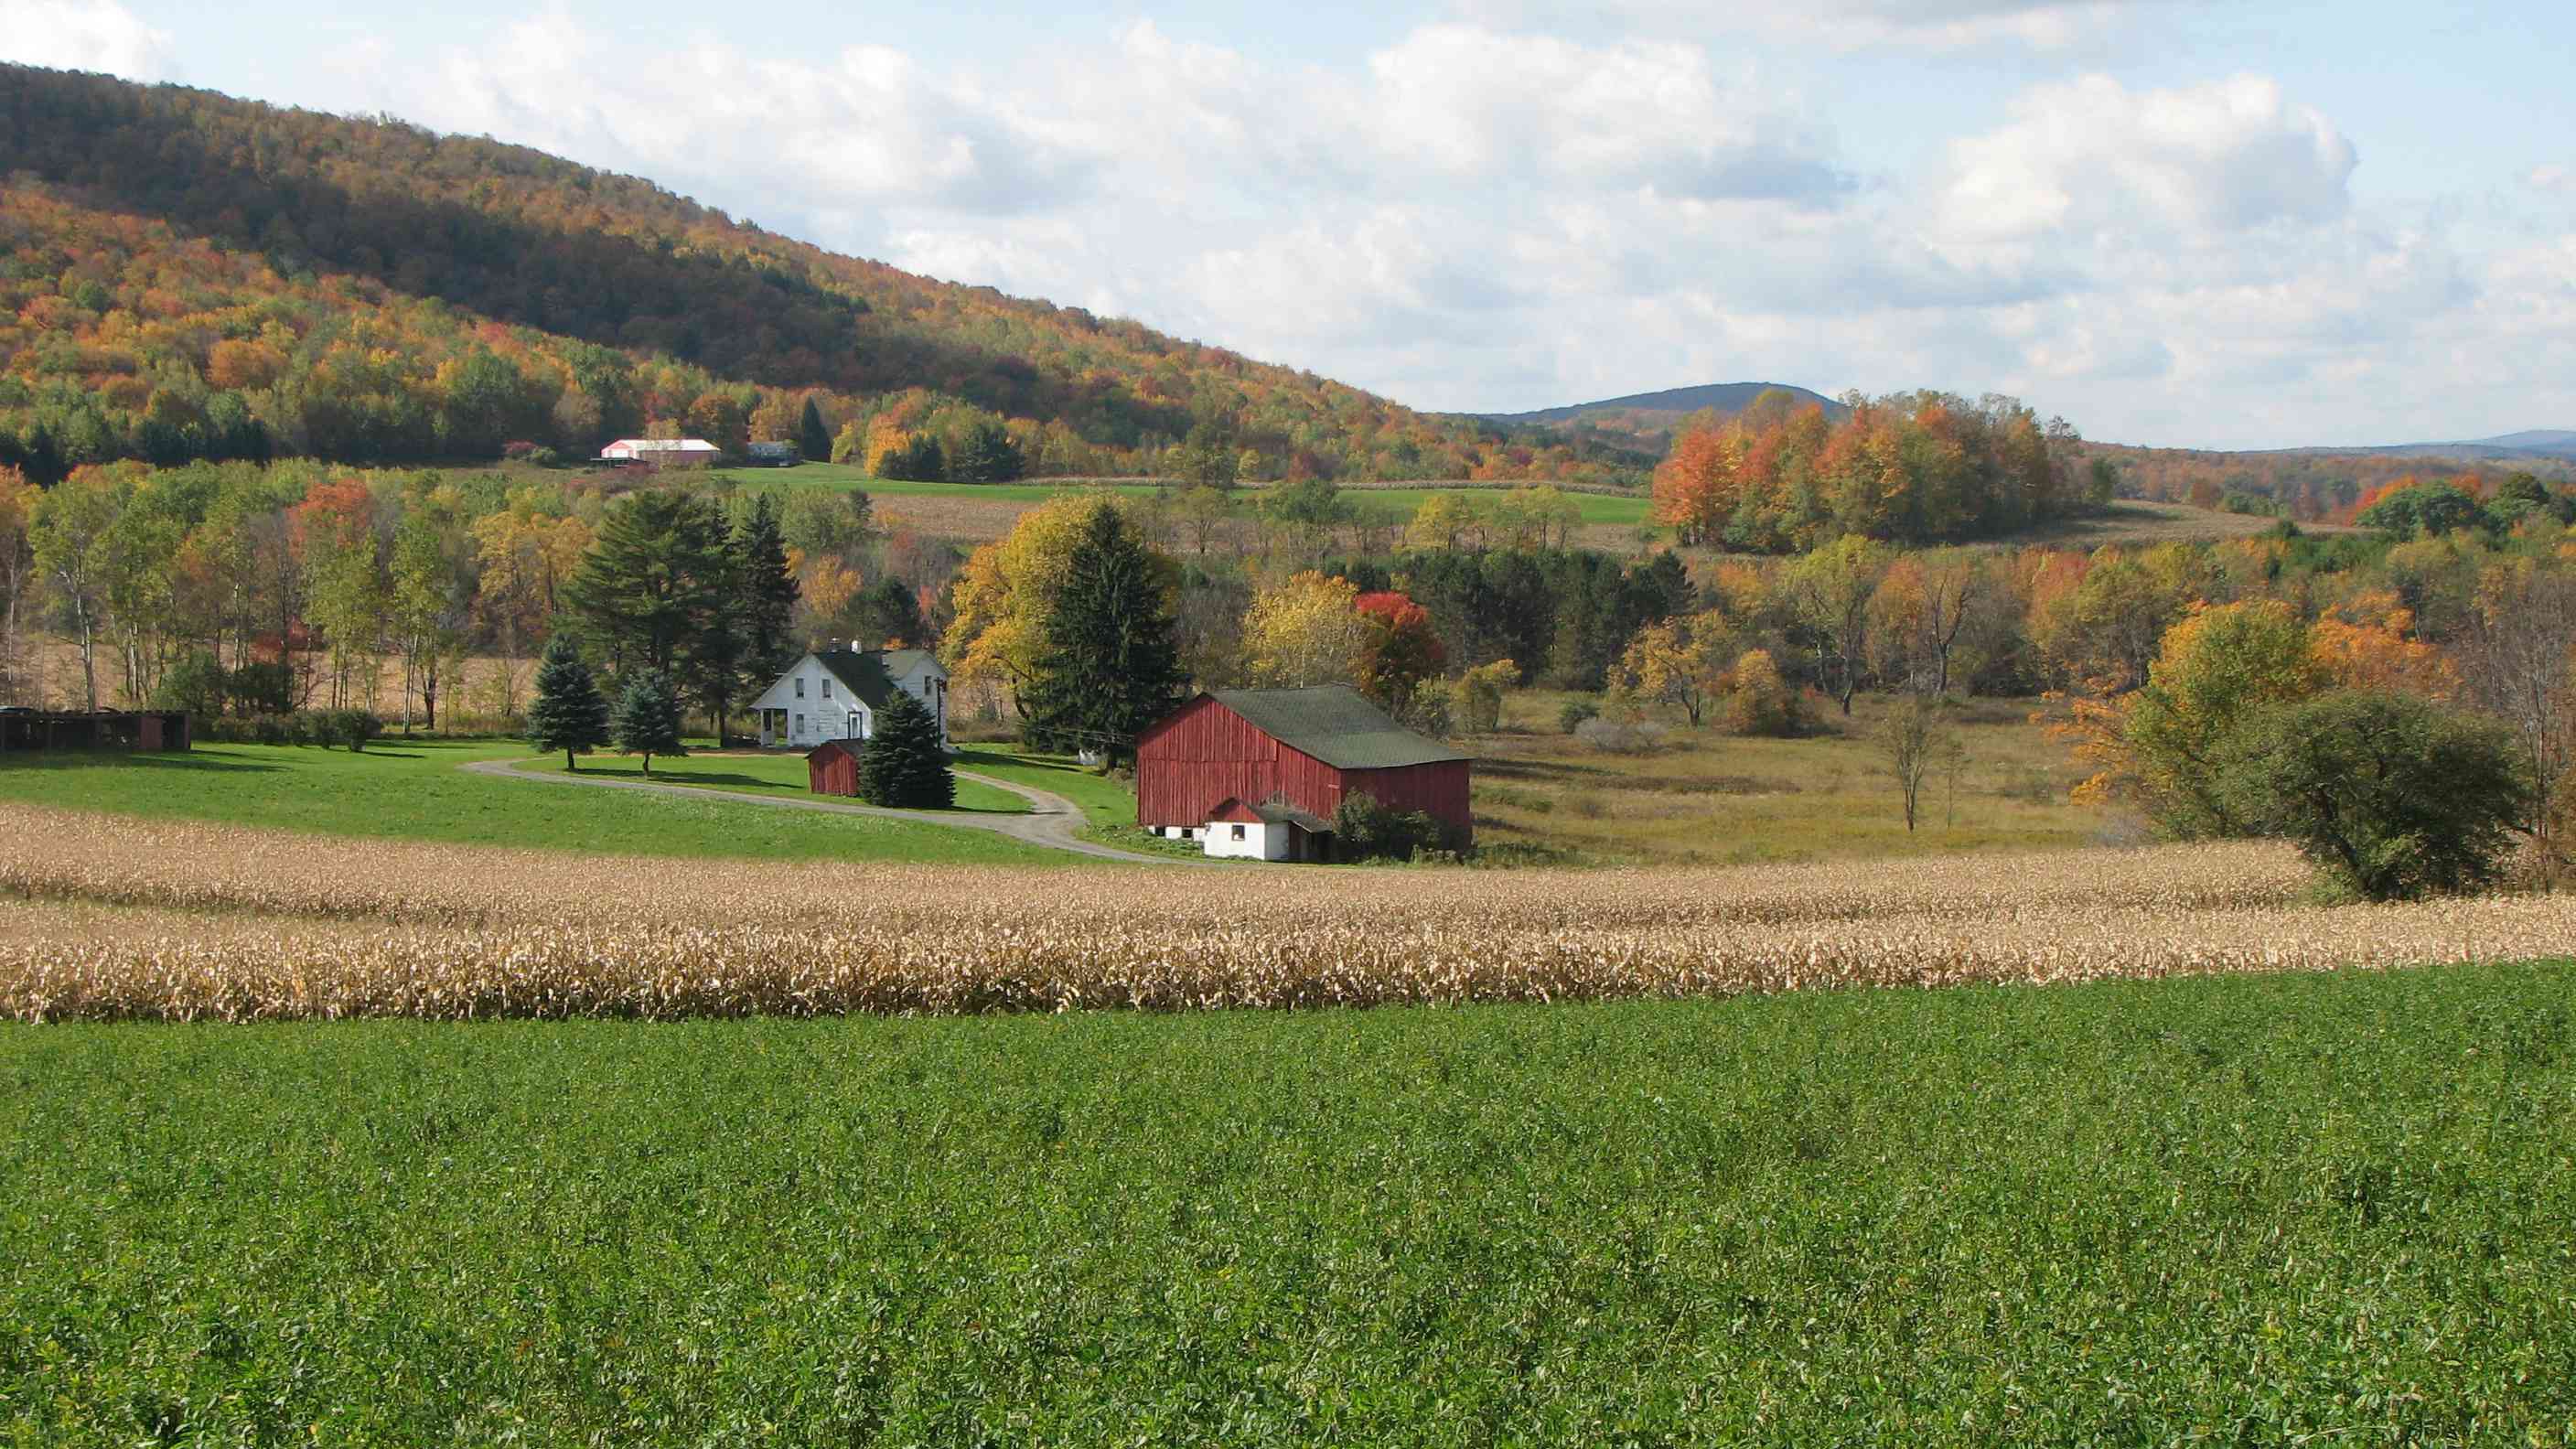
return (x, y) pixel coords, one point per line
(1913, 742)
(2521, 660)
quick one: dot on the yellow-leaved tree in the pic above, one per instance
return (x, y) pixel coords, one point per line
(2215, 670)
(1306, 631)
(1001, 596)
(1681, 661)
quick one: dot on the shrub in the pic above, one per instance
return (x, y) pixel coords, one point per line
(1578, 709)
(1760, 702)
(2392, 796)
(1620, 737)
(1364, 829)
(196, 684)
(350, 727)
(1480, 696)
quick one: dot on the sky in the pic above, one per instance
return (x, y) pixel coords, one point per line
(2222, 225)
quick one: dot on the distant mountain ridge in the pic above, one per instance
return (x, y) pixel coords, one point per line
(1673, 403)
(2529, 444)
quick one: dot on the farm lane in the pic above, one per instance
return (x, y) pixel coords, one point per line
(1049, 824)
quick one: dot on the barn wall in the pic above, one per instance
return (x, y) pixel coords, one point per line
(1189, 764)
(1438, 789)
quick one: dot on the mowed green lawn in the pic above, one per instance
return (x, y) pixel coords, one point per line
(2293, 1210)
(783, 774)
(414, 790)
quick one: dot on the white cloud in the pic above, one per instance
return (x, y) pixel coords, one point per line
(99, 35)
(1845, 25)
(2093, 158)
(1480, 217)
(2551, 178)
(1478, 104)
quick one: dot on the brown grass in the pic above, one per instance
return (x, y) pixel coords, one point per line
(1705, 797)
(107, 919)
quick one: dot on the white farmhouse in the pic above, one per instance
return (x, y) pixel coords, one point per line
(835, 695)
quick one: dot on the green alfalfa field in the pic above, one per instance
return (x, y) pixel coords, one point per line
(2317, 1209)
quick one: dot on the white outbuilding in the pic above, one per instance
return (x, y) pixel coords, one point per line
(660, 450)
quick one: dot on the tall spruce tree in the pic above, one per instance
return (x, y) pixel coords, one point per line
(1108, 666)
(647, 719)
(568, 713)
(812, 438)
(766, 594)
(904, 764)
(646, 588)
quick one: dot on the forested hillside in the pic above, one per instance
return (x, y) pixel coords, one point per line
(188, 276)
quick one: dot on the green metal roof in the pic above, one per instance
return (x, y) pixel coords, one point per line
(1335, 725)
(861, 674)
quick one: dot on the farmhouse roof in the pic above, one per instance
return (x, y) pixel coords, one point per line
(1335, 725)
(871, 673)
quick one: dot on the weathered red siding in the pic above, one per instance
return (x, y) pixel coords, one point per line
(831, 769)
(1189, 764)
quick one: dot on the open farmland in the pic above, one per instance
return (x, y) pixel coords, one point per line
(414, 789)
(171, 921)
(2279, 1210)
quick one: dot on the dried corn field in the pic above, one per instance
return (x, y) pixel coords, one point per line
(108, 918)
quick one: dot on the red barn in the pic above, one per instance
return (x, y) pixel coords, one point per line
(1267, 768)
(832, 767)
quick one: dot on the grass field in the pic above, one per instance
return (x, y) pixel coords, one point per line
(2320, 1210)
(413, 790)
(755, 773)
(1705, 797)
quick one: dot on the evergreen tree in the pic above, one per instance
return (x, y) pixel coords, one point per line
(568, 713)
(904, 764)
(647, 719)
(987, 455)
(1108, 666)
(891, 612)
(647, 587)
(812, 438)
(767, 594)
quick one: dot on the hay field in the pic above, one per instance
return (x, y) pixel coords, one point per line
(106, 919)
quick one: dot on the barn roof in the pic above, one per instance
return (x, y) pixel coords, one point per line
(1335, 725)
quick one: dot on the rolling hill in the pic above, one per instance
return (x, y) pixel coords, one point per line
(188, 275)
(1671, 405)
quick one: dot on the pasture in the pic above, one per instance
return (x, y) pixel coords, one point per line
(1706, 797)
(400, 789)
(2315, 1209)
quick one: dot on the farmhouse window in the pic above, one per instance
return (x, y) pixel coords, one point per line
(800, 724)
(800, 686)
(1238, 832)
(827, 689)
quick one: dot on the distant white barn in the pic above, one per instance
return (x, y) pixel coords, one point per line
(835, 695)
(660, 450)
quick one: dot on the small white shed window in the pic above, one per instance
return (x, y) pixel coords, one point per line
(1238, 832)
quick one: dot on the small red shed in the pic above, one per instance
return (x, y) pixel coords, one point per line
(1301, 750)
(832, 767)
